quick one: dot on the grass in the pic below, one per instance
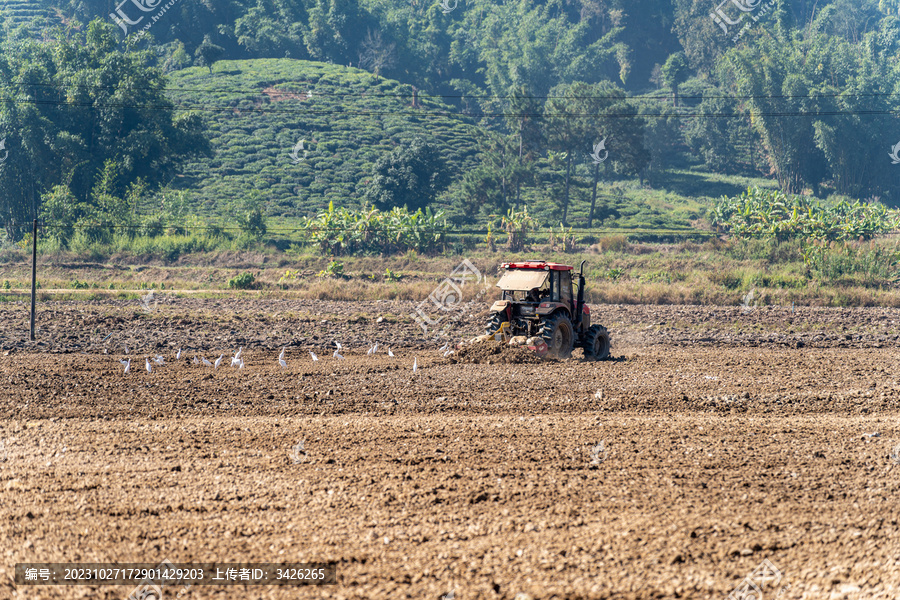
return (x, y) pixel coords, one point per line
(618, 272)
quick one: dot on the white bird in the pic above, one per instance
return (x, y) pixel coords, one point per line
(178, 354)
(241, 366)
(159, 360)
(147, 364)
(314, 357)
(337, 356)
(238, 354)
(281, 356)
(195, 361)
(205, 362)
(282, 363)
(444, 347)
(369, 352)
(235, 361)
(126, 349)
(337, 353)
(391, 354)
(447, 353)
(126, 364)
(415, 364)
(219, 361)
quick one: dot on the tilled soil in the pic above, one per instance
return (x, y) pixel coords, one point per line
(715, 438)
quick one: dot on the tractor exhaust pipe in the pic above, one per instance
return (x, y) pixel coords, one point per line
(579, 304)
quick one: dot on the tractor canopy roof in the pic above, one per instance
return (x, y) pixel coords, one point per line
(522, 279)
(537, 264)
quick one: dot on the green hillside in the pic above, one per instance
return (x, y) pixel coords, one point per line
(256, 111)
(23, 12)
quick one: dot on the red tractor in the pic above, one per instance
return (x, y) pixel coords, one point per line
(537, 301)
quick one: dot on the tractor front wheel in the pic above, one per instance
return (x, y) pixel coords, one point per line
(494, 323)
(557, 331)
(596, 343)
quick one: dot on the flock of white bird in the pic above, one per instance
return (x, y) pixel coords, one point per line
(238, 361)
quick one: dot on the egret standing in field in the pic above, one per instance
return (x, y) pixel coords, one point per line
(218, 361)
(314, 357)
(126, 364)
(415, 364)
(147, 365)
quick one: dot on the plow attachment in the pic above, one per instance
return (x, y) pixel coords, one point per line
(502, 336)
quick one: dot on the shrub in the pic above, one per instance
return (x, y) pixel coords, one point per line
(244, 281)
(334, 269)
(616, 242)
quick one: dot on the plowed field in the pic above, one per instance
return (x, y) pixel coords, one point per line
(715, 439)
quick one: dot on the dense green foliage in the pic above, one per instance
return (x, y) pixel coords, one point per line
(89, 126)
(410, 177)
(675, 100)
(370, 231)
(774, 214)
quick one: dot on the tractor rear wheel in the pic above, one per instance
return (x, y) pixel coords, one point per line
(596, 343)
(557, 331)
(494, 323)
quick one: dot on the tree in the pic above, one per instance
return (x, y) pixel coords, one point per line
(254, 223)
(675, 72)
(493, 186)
(411, 176)
(86, 102)
(376, 55)
(579, 115)
(208, 53)
(846, 91)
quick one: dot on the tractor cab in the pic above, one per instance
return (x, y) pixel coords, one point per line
(539, 298)
(538, 282)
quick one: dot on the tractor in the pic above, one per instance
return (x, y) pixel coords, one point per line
(537, 301)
